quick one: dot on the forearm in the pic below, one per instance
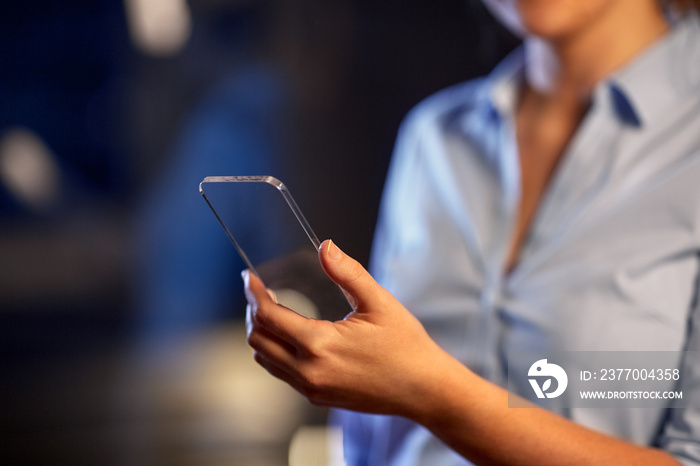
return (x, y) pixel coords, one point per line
(380, 359)
(472, 416)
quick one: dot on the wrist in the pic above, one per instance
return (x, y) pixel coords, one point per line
(443, 390)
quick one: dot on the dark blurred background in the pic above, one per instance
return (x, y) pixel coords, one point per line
(120, 310)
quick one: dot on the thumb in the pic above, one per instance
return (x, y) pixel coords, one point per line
(349, 274)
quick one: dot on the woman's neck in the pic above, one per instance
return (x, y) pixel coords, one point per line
(568, 68)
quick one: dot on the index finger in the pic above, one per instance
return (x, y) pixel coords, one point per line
(279, 320)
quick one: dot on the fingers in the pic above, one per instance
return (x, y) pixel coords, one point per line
(274, 369)
(266, 344)
(279, 321)
(349, 274)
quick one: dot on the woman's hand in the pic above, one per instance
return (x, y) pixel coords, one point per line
(378, 359)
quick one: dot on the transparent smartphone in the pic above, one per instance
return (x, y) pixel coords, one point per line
(274, 241)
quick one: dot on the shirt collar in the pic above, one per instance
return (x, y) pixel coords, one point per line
(505, 81)
(660, 77)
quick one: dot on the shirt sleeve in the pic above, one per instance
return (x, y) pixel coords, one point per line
(360, 439)
(399, 179)
(680, 435)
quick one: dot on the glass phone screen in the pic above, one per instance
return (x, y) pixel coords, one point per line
(274, 241)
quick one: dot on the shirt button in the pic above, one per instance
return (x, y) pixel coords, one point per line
(489, 298)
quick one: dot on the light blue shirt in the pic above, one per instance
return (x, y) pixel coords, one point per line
(610, 262)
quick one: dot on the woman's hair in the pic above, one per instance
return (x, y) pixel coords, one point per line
(683, 5)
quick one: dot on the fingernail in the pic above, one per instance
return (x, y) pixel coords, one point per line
(333, 251)
(272, 295)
